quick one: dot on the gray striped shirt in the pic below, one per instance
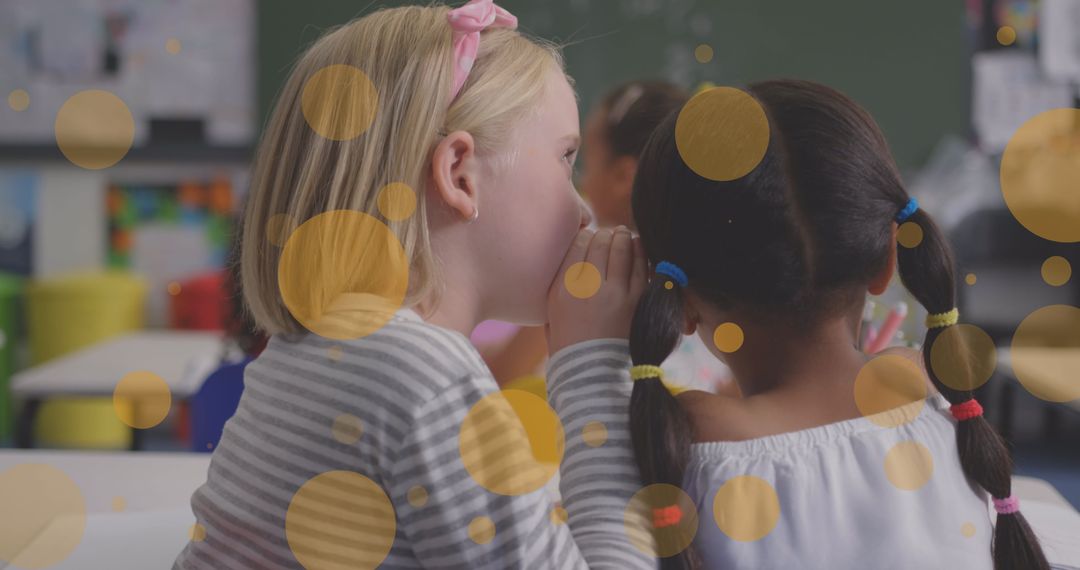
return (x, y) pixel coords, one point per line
(390, 407)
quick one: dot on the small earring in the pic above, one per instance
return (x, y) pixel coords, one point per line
(475, 214)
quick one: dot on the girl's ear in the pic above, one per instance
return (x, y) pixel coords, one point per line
(880, 282)
(454, 173)
(691, 315)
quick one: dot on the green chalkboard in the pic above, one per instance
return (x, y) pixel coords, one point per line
(907, 62)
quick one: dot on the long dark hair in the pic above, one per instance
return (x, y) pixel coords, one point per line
(798, 237)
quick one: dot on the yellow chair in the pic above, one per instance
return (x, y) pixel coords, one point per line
(68, 313)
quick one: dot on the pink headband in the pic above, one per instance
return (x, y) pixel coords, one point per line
(467, 22)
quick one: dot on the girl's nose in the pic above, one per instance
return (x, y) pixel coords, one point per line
(587, 218)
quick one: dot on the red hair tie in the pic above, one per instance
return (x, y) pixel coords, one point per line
(966, 410)
(667, 516)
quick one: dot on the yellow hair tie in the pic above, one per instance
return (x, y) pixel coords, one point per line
(646, 371)
(943, 319)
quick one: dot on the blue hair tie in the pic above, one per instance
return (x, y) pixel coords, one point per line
(908, 210)
(672, 271)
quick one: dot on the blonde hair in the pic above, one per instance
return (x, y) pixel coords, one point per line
(299, 173)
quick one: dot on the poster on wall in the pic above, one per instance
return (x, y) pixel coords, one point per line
(163, 58)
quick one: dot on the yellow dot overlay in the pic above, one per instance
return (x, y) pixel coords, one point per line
(909, 234)
(481, 530)
(963, 357)
(722, 133)
(396, 201)
(341, 512)
(197, 533)
(1039, 170)
(665, 541)
(1043, 349)
(347, 429)
(33, 495)
(418, 496)
(94, 129)
(343, 274)
(19, 100)
(669, 285)
(703, 53)
(142, 399)
(278, 229)
(746, 508)
(728, 337)
(594, 434)
(1056, 271)
(967, 529)
(339, 102)
(174, 288)
(970, 279)
(559, 515)
(172, 45)
(119, 504)
(890, 383)
(511, 442)
(582, 280)
(909, 465)
(1006, 35)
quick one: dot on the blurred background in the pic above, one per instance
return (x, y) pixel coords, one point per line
(128, 126)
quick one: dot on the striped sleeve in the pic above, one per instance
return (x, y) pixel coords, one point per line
(449, 483)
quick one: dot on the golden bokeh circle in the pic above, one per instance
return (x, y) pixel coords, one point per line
(1056, 271)
(582, 280)
(19, 100)
(970, 278)
(511, 442)
(481, 530)
(347, 429)
(1006, 35)
(703, 53)
(728, 337)
(339, 102)
(890, 382)
(119, 504)
(666, 541)
(197, 533)
(909, 465)
(418, 496)
(33, 498)
(94, 129)
(963, 357)
(909, 234)
(669, 285)
(594, 434)
(142, 399)
(967, 529)
(396, 201)
(559, 515)
(343, 274)
(174, 288)
(722, 133)
(1042, 353)
(173, 46)
(1039, 170)
(746, 508)
(342, 512)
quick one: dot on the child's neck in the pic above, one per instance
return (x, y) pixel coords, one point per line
(782, 358)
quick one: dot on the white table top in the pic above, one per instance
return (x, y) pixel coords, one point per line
(181, 358)
(154, 524)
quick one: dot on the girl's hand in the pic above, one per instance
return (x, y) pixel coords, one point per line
(580, 307)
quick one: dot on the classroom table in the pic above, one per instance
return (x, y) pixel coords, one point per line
(182, 359)
(155, 489)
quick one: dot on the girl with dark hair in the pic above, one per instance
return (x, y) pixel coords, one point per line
(831, 459)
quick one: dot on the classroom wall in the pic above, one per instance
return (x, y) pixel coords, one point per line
(907, 62)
